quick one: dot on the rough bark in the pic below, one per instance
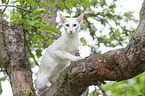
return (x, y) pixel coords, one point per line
(2, 49)
(16, 61)
(13, 55)
(114, 65)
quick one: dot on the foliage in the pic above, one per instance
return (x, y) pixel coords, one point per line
(99, 16)
(99, 13)
(131, 87)
(27, 90)
(29, 16)
(62, 78)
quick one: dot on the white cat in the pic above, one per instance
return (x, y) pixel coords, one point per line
(60, 53)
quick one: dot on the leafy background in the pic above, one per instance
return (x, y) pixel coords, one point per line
(103, 26)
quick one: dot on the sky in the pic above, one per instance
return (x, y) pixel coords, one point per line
(125, 5)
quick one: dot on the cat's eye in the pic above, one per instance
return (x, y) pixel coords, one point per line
(67, 25)
(74, 25)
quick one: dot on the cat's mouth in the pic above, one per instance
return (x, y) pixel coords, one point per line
(71, 32)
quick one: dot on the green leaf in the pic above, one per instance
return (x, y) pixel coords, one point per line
(61, 4)
(49, 41)
(49, 35)
(87, 4)
(61, 81)
(4, 1)
(50, 1)
(69, 4)
(50, 13)
(13, 17)
(16, 1)
(83, 41)
(31, 63)
(30, 1)
(60, 74)
(102, 3)
(53, 4)
(19, 21)
(27, 89)
(62, 78)
(37, 17)
(31, 22)
(38, 37)
(38, 11)
(75, 1)
(48, 28)
(44, 23)
(69, 12)
(11, 22)
(42, 2)
(38, 53)
(46, 9)
(112, 11)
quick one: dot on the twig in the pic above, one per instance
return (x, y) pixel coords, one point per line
(103, 91)
(92, 33)
(4, 8)
(92, 14)
(32, 56)
(18, 8)
(3, 24)
(111, 16)
(40, 34)
(46, 12)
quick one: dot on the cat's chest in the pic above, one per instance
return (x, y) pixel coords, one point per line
(71, 48)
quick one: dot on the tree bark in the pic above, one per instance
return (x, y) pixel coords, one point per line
(13, 55)
(115, 65)
(2, 49)
(16, 61)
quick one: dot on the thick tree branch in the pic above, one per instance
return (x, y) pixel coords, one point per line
(114, 65)
(16, 62)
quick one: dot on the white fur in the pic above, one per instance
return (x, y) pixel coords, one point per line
(59, 54)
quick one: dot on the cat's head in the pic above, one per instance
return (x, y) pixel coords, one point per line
(71, 25)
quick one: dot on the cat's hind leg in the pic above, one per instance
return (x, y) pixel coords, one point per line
(42, 82)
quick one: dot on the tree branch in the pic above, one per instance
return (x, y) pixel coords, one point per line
(16, 63)
(46, 12)
(4, 8)
(27, 10)
(29, 50)
(116, 65)
(92, 32)
(103, 91)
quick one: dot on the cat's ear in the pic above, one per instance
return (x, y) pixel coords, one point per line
(62, 18)
(80, 18)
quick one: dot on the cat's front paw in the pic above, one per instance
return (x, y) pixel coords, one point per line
(77, 58)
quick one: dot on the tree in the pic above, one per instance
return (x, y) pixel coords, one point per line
(26, 32)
